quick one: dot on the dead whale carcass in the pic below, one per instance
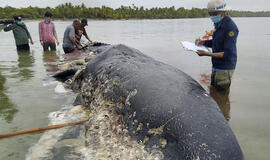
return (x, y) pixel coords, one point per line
(162, 108)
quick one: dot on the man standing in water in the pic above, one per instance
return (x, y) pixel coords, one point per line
(21, 34)
(69, 40)
(224, 56)
(47, 33)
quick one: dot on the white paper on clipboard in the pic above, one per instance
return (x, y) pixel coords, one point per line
(193, 47)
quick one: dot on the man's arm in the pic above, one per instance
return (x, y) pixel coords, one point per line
(230, 41)
(9, 27)
(56, 38)
(40, 31)
(55, 35)
(85, 34)
(229, 45)
(78, 34)
(216, 55)
(72, 39)
(29, 36)
(207, 43)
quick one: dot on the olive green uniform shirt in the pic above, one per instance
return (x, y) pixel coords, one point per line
(20, 32)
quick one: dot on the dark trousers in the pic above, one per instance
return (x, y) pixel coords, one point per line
(47, 45)
(68, 50)
(23, 47)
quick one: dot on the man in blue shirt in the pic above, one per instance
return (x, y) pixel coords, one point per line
(224, 56)
(223, 44)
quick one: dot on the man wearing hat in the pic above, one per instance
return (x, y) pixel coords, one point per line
(81, 31)
(21, 34)
(223, 44)
(47, 33)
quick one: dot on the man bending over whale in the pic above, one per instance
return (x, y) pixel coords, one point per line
(69, 41)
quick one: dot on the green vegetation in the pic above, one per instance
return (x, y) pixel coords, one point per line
(69, 11)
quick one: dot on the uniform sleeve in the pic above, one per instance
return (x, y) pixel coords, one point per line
(230, 41)
(28, 34)
(9, 27)
(208, 43)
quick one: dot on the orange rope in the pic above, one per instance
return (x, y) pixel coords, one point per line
(42, 129)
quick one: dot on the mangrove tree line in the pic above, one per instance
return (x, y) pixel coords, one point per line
(69, 11)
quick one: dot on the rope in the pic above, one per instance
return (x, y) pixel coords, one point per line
(42, 129)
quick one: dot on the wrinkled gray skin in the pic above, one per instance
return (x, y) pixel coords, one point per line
(166, 98)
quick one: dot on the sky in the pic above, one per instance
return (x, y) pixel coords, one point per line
(244, 5)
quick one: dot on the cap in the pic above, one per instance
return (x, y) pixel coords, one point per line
(217, 5)
(84, 21)
(18, 18)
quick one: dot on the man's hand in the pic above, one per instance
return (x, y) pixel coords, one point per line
(57, 42)
(203, 53)
(80, 33)
(79, 47)
(31, 41)
(199, 42)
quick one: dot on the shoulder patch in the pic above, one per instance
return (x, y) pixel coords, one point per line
(231, 33)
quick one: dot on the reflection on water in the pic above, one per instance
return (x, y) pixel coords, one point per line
(222, 98)
(25, 60)
(50, 60)
(7, 108)
(61, 143)
(223, 101)
(205, 80)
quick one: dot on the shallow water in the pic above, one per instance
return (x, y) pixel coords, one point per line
(28, 94)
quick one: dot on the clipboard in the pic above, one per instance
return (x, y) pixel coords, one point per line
(189, 46)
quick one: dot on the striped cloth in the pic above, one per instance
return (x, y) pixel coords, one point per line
(47, 32)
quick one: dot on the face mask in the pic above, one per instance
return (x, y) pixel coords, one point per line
(20, 22)
(47, 20)
(216, 19)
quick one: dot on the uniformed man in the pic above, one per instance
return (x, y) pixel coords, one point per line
(223, 44)
(21, 34)
(224, 56)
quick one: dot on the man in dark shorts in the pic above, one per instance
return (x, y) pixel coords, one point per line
(47, 33)
(69, 40)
